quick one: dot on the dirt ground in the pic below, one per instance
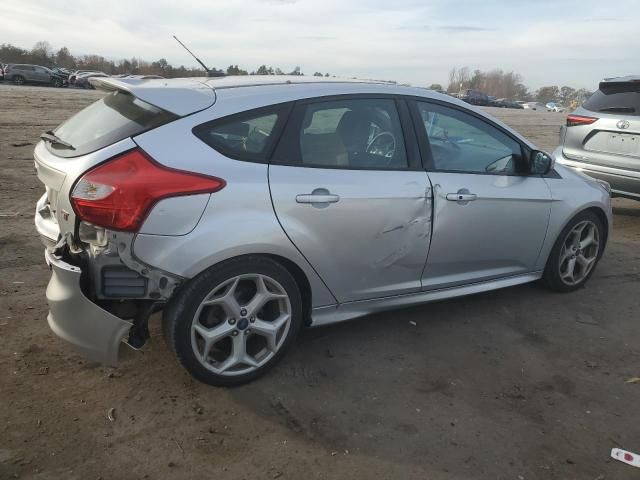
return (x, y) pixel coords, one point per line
(516, 384)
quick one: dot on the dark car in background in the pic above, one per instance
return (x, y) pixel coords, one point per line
(73, 77)
(82, 79)
(475, 97)
(602, 137)
(506, 103)
(21, 74)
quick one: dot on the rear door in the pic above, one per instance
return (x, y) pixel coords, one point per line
(489, 220)
(41, 75)
(29, 73)
(348, 189)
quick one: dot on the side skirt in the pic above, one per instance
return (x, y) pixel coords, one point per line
(348, 311)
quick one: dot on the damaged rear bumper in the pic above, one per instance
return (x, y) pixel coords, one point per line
(97, 333)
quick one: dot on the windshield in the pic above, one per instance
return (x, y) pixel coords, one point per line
(116, 116)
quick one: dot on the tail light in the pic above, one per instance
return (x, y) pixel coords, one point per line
(120, 193)
(575, 120)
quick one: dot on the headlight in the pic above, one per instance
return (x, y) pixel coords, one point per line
(604, 185)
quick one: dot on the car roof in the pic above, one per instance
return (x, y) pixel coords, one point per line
(184, 96)
(259, 80)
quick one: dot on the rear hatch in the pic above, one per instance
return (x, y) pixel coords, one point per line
(607, 128)
(101, 131)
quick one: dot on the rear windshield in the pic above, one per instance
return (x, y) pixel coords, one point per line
(622, 98)
(116, 116)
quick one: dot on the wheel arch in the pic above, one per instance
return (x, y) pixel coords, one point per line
(556, 228)
(603, 218)
(298, 274)
(301, 279)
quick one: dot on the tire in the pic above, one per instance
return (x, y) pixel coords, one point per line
(18, 80)
(186, 320)
(57, 82)
(556, 274)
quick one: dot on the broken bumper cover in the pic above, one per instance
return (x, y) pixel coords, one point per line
(73, 317)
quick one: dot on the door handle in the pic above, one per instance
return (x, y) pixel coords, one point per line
(463, 196)
(319, 195)
(311, 198)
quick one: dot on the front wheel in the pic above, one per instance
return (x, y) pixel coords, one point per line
(18, 80)
(57, 82)
(233, 322)
(576, 253)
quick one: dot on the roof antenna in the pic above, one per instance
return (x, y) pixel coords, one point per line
(210, 73)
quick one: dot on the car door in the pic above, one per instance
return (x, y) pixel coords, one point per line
(348, 189)
(41, 75)
(490, 215)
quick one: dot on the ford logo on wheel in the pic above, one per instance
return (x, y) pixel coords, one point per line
(623, 124)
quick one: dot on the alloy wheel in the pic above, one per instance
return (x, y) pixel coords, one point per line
(241, 324)
(579, 252)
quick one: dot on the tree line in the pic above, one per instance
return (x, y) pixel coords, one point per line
(503, 84)
(43, 54)
(495, 82)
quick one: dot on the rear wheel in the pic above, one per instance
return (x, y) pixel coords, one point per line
(575, 254)
(18, 80)
(233, 322)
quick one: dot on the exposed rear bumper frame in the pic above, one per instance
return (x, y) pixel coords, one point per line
(97, 333)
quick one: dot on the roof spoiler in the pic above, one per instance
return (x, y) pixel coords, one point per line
(180, 96)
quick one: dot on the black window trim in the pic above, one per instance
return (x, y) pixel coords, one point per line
(282, 110)
(288, 143)
(425, 146)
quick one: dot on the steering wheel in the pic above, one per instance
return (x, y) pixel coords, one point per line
(381, 148)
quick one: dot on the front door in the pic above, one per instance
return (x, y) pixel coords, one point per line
(352, 197)
(490, 217)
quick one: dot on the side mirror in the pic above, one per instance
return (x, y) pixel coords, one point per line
(540, 163)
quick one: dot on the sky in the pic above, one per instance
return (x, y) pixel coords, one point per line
(572, 42)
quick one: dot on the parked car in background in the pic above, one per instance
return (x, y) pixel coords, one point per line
(602, 137)
(61, 71)
(475, 97)
(494, 102)
(248, 208)
(1, 71)
(506, 103)
(82, 79)
(75, 74)
(141, 76)
(530, 105)
(554, 107)
(21, 74)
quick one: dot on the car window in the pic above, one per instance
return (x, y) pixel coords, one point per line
(616, 97)
(243, 137)
(363, 133)
(114, 117)
(461, 142)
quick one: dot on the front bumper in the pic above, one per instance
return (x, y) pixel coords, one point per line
(97, 333)
(625, 183)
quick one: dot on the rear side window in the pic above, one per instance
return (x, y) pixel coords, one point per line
(116, 116)
(623, 98)
(245, 136)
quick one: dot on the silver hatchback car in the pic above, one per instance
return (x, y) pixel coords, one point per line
(602, 138)
(247, 208)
